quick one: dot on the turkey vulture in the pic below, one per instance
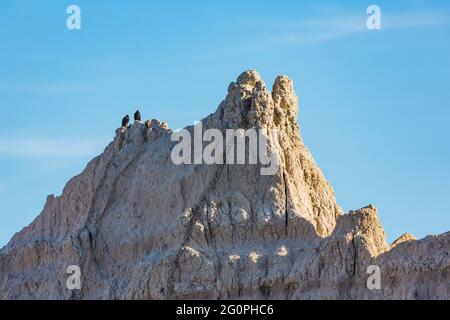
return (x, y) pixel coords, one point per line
(125, 121)
(137, 116)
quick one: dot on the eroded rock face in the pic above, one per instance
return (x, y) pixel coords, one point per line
(141, 227)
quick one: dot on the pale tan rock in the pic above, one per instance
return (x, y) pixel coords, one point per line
(141, 227)
(407, 237)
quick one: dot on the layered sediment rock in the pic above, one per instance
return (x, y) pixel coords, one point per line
(141, 227)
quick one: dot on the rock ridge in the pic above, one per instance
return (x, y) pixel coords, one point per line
(141, 227)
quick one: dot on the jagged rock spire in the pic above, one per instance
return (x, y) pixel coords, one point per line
(141, 227)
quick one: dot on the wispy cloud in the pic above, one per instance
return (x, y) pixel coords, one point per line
(49, 88)
(416, 19)
(320, 29)
(59, 148)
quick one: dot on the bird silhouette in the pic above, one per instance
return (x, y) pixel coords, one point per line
(125, 121)
(137, 116)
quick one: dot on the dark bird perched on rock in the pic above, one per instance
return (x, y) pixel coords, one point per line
(137, 116)
(125, 121)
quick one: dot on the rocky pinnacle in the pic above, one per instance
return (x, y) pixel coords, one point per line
(141, 227)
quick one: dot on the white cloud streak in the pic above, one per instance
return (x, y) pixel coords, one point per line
(59, 148)
(46, 88)
(334, 27)
(417, 19)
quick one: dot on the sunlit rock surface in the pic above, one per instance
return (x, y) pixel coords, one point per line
(141, 227)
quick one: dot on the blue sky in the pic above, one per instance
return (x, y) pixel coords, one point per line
(374, 105)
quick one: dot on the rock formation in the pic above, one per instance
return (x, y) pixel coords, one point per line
(141, 227)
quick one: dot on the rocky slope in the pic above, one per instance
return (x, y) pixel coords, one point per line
(141, 227)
